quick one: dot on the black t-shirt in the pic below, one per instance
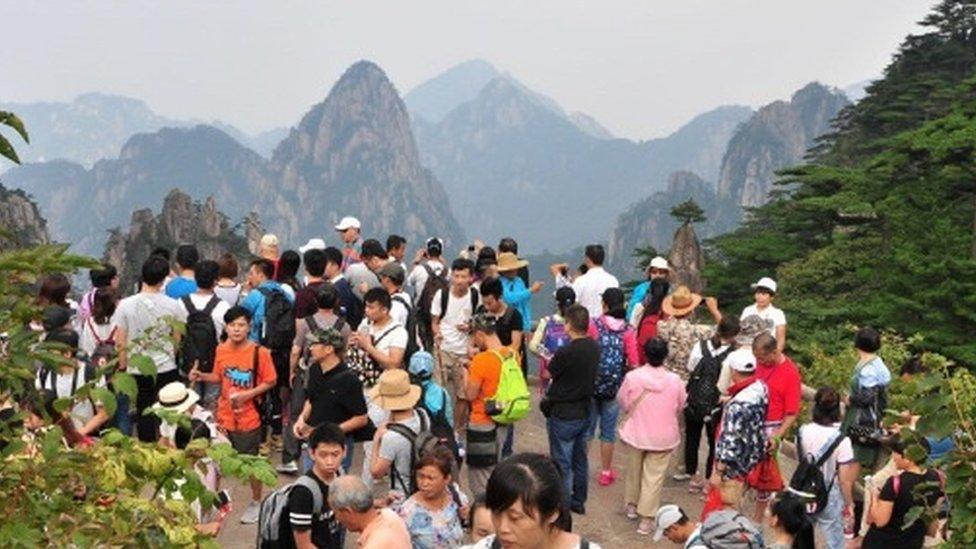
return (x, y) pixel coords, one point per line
(335, 396)
(510, 321)
(573, 370)
(352, 307)
(302, 516)
(892, 536)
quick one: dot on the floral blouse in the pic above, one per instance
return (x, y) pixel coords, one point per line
(433, 529)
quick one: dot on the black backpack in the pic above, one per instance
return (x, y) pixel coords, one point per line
(411, 327)
(475, 300)
(199, 344)
(809, 478)
(421, 442)
(434, 283)
(702, 388)
(278, 330)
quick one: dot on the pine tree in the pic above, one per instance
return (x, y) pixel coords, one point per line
(688, 212)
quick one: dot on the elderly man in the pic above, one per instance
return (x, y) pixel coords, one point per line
(352, 503)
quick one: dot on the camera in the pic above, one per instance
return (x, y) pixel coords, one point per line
(493, 407)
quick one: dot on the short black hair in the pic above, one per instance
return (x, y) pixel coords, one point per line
(867, 339)
(326, 296)
(155, 269)
(764, 342)
(595, 253)
(913, 366)
(236, 312)
(103, 275)
(288, 265)
(162, 252)
(462, 264)
(826, 406)
(656, 351)
(394, 241)
(187, 256)
(372, 248)
(535, 481)
(333, 255)
(265, 267)
(508, 244)
(228, 266)
(206, 274)
(577, 317)
(491, 287)
(315, 260)
(378, 295)
(327, 433)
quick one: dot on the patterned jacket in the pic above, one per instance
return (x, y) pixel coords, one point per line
(741, 440)
(681, 336)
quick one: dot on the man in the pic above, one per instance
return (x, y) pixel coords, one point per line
(674, 524)
(451, 312)
(482, 384)
(302, 359)
(431, 263)
(315, 261)
(658, 269)
(589, 287)
(349, 306)
(392, 450)
(775, 319)
(187, 257)
(307, 526)
(144, 328)
(391, 278)
(260, 279)
(573, 371)
(348, 229)
(268, 249)
(782, 378)
(105, 276)
(362, 275)
(204, 299)
(396, 248)
(509, 321)
(514, 291)
(246, 372)
(64, 379)
(352, 502)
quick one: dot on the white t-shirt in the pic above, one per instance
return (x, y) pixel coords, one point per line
(87, 340)
(458, 312)
(696, 353)
(417, 278)
(200, 303)
(396, 338)
(398, 311)
(83, 411)
(589, 289)
(816, 437)
(774, 317)
(143, 314)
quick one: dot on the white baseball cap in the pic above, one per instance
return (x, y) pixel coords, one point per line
(765, 282)
(660, 263)
(742, 361)
(348, 222)
(667, 516)
(312, 244)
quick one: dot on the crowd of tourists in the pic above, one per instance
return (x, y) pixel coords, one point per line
(393, 388)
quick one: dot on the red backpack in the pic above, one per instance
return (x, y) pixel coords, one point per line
(646, 331)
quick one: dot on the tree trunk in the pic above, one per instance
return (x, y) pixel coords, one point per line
(972, 251)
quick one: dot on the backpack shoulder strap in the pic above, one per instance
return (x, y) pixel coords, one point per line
(318, 501)
(705, 351)
(429, 269)
(188, 303)
(475, 299)
(445, 295)
(399, 299)
(725, 354)
(829, 450)
(254, 360)
(310, 322)
(211, 305)
(339, 324)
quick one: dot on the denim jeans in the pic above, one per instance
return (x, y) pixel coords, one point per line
(831, 519)
(123, 419)
(567, 446)
(604, 415)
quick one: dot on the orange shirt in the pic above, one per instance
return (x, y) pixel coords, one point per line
(485, 370)
(385, 532)
(235, 367)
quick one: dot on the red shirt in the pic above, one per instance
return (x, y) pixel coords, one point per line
(784, 382)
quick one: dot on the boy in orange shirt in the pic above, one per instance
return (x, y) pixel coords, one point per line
(245, 372)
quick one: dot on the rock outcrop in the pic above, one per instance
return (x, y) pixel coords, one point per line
(181, 220)
(21, 224)
(686, 258)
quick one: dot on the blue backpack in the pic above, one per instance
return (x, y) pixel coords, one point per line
(610, 373)
(555, 335)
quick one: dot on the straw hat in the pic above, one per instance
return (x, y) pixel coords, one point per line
(507, 261)
(681, 302)
(394, 392)
(176, 397)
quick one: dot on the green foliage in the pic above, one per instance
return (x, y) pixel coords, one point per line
(7, 151)
(688, 212)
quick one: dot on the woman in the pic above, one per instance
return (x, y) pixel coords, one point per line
(550, 335)
(98, 328)
(652, 398)
(433, 514)
(788, 519)
(528, 507)
(815, 440)
(698, 413)
(868, 399)
(645, 315)
(227, 287)
(287, 274)
(891, 505)
(480, 519)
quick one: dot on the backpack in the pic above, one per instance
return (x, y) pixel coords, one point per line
(512, 397)
(809, 478)
(702, 387)
(440, 424)
(363, 365)
(434, 283)
(646, 331)
(274, 510)
(105, 350)
(48, 379)
(199, 343)
(610, 371)
(278, 329)
(727, 529)
(411, 327)
(555, 336)
(432, 433)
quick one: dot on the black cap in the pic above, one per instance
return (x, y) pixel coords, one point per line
(435, 246)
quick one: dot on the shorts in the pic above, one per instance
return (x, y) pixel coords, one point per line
(245, 442)
(604, 413)
(451, 374)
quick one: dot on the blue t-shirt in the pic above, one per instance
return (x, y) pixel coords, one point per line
(254, 303)
(180, 287)
(517, 295)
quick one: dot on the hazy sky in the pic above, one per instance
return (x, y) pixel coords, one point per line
(641, 68)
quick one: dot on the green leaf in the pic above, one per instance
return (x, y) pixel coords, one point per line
(52, 443)
(143, 364)
(124, 383)
(17, 124)
(106, 397)
(7, 150)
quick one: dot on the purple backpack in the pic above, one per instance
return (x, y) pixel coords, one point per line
(555, 335)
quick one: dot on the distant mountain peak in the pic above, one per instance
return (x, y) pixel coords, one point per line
(589, 125)
(433, 99)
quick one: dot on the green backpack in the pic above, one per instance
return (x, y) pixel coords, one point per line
(511, 401)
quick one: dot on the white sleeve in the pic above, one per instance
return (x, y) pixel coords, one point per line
(779, 318)
(746, 312)
(694, 357)
(435, 304)
(397, 338)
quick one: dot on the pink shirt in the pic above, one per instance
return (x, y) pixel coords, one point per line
(653, 423)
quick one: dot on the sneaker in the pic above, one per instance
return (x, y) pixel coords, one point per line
(265, 448)
(288, 468)
(251, 513)
(681, 476)
(607, 477)
(277, 443)
(631, 511)
(645, 526)
(461, 451)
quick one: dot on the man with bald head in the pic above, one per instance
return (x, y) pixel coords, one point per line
(352, 503)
